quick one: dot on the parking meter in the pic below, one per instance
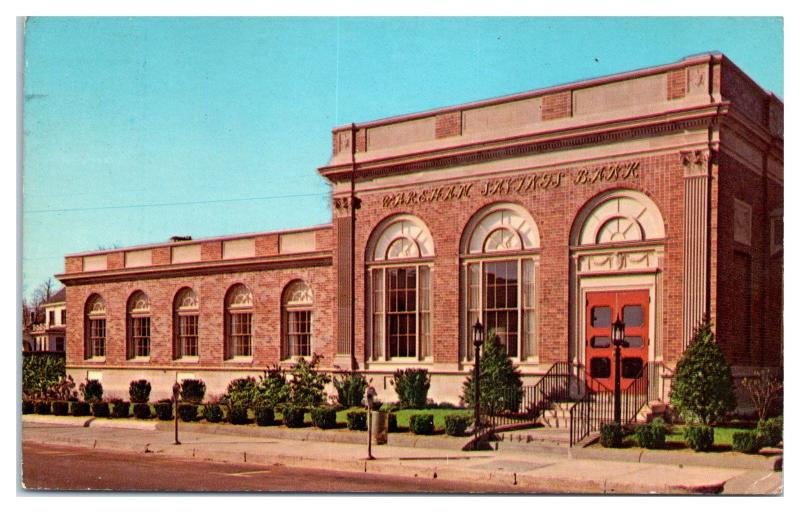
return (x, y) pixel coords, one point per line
(371, 396)
(176, 390)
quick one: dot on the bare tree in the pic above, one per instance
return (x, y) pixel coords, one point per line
(763, 389)
(44, 292)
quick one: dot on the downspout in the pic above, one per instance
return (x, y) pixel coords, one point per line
(353, 247)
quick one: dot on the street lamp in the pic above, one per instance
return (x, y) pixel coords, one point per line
(477, 340)
(618, 339)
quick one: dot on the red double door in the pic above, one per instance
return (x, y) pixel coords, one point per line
(602, 309)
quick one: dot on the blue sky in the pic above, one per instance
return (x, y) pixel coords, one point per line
(136, 129)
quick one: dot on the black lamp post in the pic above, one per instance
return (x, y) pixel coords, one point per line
(477, 340)
(618, 339)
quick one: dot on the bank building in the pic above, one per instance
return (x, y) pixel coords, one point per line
(653, 196)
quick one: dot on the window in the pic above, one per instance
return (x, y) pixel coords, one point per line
(238, 322)
(297, 304)
(60, 344)
(64, 317)
(499, 279)
(95, 328)
(186, 316)
(400, 291)
(138, 323)
(51, 318)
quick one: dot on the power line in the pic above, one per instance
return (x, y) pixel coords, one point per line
(149, 205)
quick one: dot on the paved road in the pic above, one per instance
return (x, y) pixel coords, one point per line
(70, 468)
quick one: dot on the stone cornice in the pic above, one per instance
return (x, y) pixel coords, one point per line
(517, 146)
(316, 259)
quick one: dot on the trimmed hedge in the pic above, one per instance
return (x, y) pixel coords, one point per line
(213, 412)
(92, 391)
(42, 407)
(121, 410)
(237, 414)
(81, 409)
(748, 442)
(323, 417)
(699, 438)
(193, 390)
(28, 407)
(265, 415)
(139, 391)
(187, 412)
(651, 436)
(771, 431)
(611, 435)
(393, 423)
(141, 411)
(411, 386)
(163, 410)
(357, 420)
(101, 409)
(293, 416)
(421, 424)
(456, 424)
(60, 408)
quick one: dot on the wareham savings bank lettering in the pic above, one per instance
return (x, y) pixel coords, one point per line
(527, 183)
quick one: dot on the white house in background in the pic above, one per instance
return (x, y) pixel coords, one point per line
(50, 335)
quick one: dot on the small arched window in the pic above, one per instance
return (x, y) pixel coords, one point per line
(296, 312)
(186, 315)
(95, 328)
(238, 322)
(138, 325)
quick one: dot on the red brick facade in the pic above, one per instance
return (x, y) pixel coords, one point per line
(696, 145)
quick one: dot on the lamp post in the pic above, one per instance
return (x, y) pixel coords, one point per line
(176, 389)
(477, 340)
(618, 339)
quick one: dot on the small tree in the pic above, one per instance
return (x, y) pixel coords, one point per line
(350, 389)
(307, 387)
(501, 384)
(241, 392)
(411, 386)
(763, 389)
(193, 390)
(703, 385)
(92, 391)
(272, 389)
(139, 391)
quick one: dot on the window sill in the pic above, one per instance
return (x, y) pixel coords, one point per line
(96, 359)
(187, 359)
(240, 359)
(139, 359)
(295, 359)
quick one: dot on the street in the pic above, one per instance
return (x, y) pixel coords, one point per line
(48, 467)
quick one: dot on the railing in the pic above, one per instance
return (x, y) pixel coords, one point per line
(513, 407)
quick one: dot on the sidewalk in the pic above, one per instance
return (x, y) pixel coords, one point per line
(525, 471)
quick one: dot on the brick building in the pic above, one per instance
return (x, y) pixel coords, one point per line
(654, 196)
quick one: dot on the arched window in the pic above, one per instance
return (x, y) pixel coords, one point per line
(399, 254)
(94, 345)
(138, 325)
(620, 216)
(296, 306)
(498, 250)
(238, 322)
(186, 315)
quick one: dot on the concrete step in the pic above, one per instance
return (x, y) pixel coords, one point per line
(542, 440)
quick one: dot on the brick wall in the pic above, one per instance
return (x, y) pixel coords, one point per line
(557, 105)
(448, 124)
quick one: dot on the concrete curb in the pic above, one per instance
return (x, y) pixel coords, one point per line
(682, 458)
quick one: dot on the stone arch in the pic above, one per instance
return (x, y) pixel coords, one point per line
(500, 227)
(400, 236)
(617, 216)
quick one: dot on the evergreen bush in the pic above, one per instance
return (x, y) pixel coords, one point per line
(412, 387)
(456, 424)
(771, 431)
(748, 442)
(42, 407)
(213, 412)
(421, 424)
(139, 391)
(703, 386)
(651, 436)
(501, 384)
(699, 438)
(238, 415)
(92, 391)
(164, 409)
(293, 416)
(187, 412)
(100, 409)
(81, 409)
(242, 392)
(611, 435)
(41, 372)
(392, 423)
(28, 407)
(357, 420)
(323, 417)
(307, 387)
(265, 415)
(272, 389)
(121, 410)
(60, 408)
(350, 389)
(142, 410)
(193, 391)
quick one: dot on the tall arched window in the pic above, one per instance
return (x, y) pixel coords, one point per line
(500, 263)
(238, 322)
(186, 316)
(296, 307)
(138, 325)
(400, 256)
(94, 345)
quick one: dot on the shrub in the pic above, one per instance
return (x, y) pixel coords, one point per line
(193, 391)
(139, 391)
(748, 442)
(293, 416)
(213, 412)
(444, 405)
(187, 412)
(307, 388)
(611, 435)
(122, 409)
(272, 389)
(357, 420)
(62, 390)
(100, 409)
(651, 436)
(42, 407)
(28, 407)
(771, 431)
(421, 424)
(323, 417)
(60, 407)
(81, 409)
(456, 424)
(242, 392)
(764, 389)
(412, 387)
(350, 389)
(164, 409)
(501, 384)
(392, 423)
(141, 411)
(699, 438)
(265, 415)
(92, 391)
(40, 372)
(703, 386)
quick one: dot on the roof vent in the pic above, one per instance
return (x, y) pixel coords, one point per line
(180, 238)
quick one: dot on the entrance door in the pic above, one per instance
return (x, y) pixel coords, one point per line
(602, 309)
